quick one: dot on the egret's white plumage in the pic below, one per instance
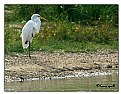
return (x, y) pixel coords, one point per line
(29, 30)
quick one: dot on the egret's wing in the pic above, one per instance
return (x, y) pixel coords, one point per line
(27, 34)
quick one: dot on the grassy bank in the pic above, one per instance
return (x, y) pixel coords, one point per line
(58, 35)
(71, 28)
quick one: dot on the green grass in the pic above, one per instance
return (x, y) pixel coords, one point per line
(64, 36)
(73, 46)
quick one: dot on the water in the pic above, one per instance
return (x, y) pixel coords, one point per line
(77, 84)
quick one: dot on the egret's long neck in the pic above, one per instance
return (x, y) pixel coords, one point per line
(38, 23)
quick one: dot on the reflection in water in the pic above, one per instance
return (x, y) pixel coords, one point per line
(67, 84)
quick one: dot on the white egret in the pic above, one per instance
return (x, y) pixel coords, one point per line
(29, 30)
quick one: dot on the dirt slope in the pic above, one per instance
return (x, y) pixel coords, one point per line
(44, 64)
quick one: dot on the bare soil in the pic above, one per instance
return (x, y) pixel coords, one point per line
(59, 63)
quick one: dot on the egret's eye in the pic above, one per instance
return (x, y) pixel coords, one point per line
(38, 16)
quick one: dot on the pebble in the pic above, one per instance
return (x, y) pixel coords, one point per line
(62, 63)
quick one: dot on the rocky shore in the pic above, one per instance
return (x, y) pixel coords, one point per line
(44, 65)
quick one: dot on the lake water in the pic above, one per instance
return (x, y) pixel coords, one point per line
(76, 84)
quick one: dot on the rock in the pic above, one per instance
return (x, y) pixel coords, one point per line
(109, 66)
(97, 67)
(68, 69)
(87, 68)
(97, 63)
(58, 70)
(77, 68)
(22, 78)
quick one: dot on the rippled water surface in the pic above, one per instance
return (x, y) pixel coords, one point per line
(93, 83)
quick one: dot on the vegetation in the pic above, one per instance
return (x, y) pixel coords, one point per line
(69, 27)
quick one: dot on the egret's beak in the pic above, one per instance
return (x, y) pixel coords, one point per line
(43, 18)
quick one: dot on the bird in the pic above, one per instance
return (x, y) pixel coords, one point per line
(30, 29)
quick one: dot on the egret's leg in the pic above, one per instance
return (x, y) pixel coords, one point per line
(29, 49)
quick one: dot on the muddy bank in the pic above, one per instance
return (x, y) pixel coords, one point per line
(59, 64)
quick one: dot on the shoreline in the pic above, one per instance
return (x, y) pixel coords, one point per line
(66, 76)
(59, 64)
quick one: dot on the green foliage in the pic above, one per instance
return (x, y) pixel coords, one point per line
(12, 40)
(69, 27)
(84, 13)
